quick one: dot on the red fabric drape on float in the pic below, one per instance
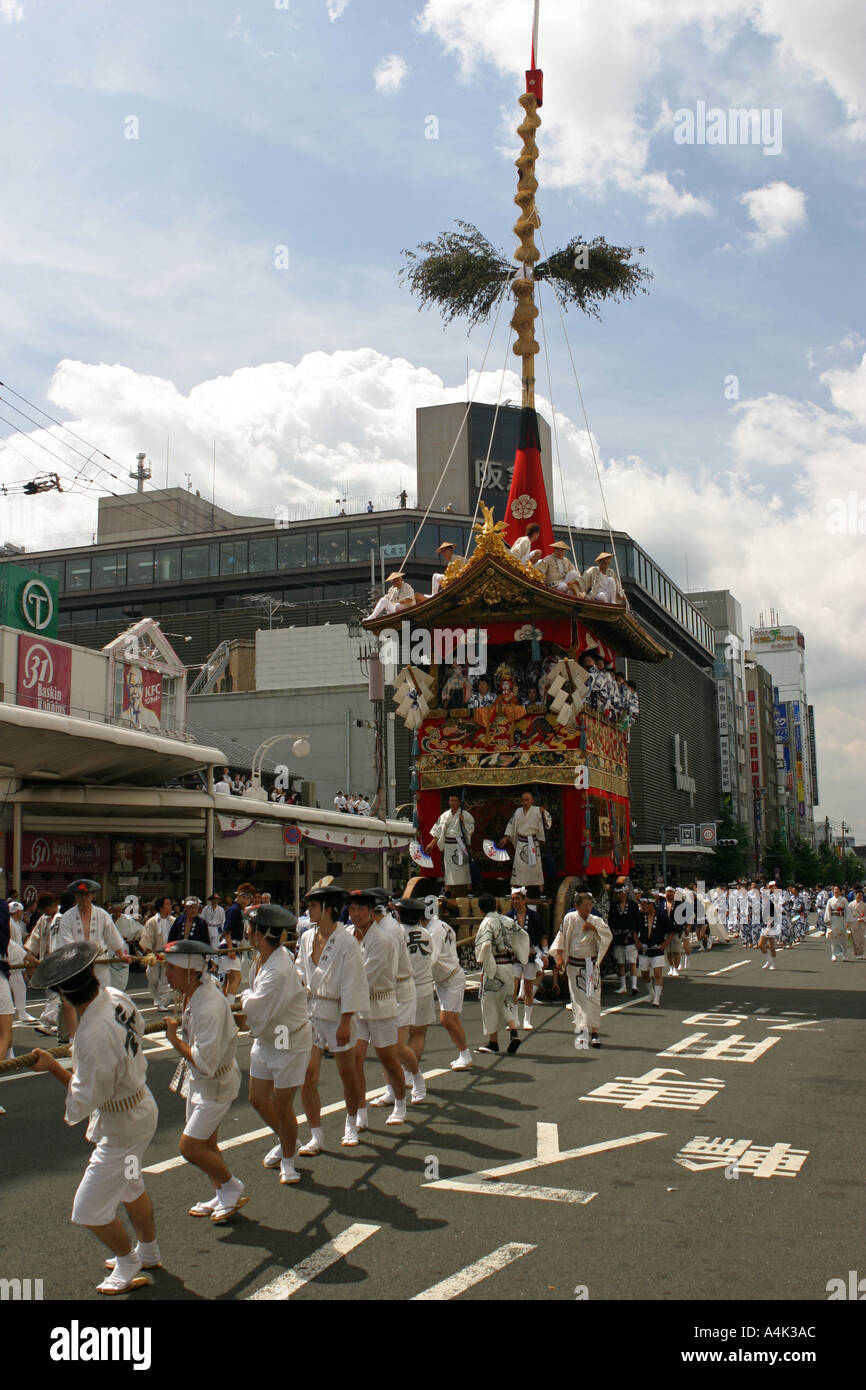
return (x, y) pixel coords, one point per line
(527, 497)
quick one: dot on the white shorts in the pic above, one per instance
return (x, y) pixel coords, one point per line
(111, 1179)
(381, 1032)
(529, 971)
(204, 1117)
(406, 1013)
(652, 962)
(625, 954)
(425, 1010)
(325, 1035)
(771, 933)
(284, 1067)
(6, 1004)
(451, 994)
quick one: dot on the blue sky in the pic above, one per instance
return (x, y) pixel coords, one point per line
(147, 266)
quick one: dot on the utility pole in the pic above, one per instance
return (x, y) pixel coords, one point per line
(140, 474)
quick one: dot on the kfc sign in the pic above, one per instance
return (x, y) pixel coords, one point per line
(44, 675)
(142, 698)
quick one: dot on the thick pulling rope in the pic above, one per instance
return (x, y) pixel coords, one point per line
(150, 959)
(27, 1059)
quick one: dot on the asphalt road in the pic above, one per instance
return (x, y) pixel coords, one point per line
(624, 1222)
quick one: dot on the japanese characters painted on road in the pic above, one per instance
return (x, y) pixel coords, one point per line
(655, 1091)
(738, 1156)
(733, 1048)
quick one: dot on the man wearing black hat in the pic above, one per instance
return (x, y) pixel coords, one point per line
(378, 1023)
(404, 987)
(85, 922)
(108, 1084)
(275, 1005)
(233, 935)
(331, 966)
(211, 1076)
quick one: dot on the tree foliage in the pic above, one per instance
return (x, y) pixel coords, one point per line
(806, 862)
(778, 863)
(462, 273)
(731, 861)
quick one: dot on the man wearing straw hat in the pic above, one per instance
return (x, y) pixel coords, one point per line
(400, 595)
(559, 571)
(107, 1083)
(446, 550)
(600, 584)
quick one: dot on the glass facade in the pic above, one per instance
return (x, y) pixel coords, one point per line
(316, 548)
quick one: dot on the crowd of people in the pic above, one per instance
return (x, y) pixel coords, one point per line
(353, 804)
(362, 971)
(241, 783)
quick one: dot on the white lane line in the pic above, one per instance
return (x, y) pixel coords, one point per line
(547, 1141)
(252, 1135)
(618, 1008)
(516, 1189)
(725, 968)
(473, 1274)
(294, 1279)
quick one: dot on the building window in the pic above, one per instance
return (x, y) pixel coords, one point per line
(263, 555)
(196, 561)
(333, 546)
(233, 557)
(291, 552)
(139, 567)
(54, 569)
(363, 539)
(312, 548)
(78, 573)
(167, 566)
(108, 571)
(395, 538)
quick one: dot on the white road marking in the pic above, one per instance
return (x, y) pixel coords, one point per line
(487, 1180)
(252, 1135)
(726, 968)
(289, 1283)
(473, 1274)
(618, 1008)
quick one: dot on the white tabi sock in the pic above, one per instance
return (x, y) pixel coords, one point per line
(634, 981)
(318, 1135)
(228, 1189)
(520, 994)
(147, 1251)
(657, 993)
(466, 1055)
(527, 1015)
(360, 1118)
(231, 999)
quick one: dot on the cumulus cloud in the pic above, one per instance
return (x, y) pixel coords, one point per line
(11, 11)
(336, 8)
(609, 78)
(296, 435)
(390, 74)
(776, 209)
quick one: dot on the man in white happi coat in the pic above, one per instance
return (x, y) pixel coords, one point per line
(18, 981)
(527, 549)
(419, 946)
(332, 967)
(580, 946)
(153, 941)
(108, 1086)
(559, 571)
(400, 595)
(214, 915)
(525, 832)
(453, 833)
(449, 980)
(404, 989)
(600, 584)
(209, 1077)
(378, 1023)
(499, 942)
(87, 922)
(446, 552)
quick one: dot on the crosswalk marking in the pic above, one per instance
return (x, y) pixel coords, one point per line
(293, 1279)
(473, 1274)
(252, 1135)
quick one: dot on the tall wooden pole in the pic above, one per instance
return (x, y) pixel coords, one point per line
(523, 286)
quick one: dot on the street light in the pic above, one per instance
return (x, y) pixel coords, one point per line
(300, 748)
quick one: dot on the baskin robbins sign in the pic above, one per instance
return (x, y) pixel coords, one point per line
(44, 675)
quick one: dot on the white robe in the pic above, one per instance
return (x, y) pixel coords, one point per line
(499, 936)
(602, 588)
(338, 984)
(453, 842)
(108, 1064)
(211, 1033)
(582, 953)
(103, 933)
(525, 830)
(275, 1004)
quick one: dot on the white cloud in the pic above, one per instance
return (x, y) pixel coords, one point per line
(608, 78)
(336, 8)
(776, 209)
(11, 11)
(390, 74)
(293, 435)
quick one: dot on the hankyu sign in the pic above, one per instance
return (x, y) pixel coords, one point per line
(44, 675)
(28, 600)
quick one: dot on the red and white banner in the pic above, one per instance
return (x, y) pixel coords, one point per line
(527, 497)
(44, 675)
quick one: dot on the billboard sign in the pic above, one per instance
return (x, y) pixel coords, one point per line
(44, 675)
(28, 600)
(142, 697)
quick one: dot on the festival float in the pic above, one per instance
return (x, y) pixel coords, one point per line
(540, 722)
